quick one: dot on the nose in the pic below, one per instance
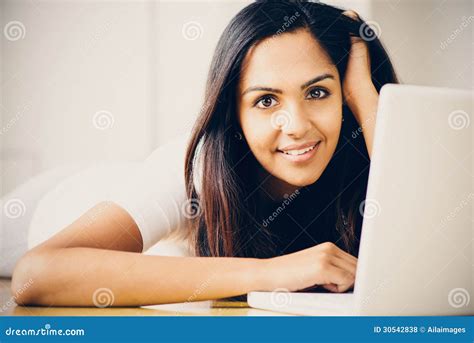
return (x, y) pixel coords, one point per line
(292, 121)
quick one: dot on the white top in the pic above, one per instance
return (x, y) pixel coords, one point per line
(155, 195)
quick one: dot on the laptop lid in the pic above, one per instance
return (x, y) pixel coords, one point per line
(416, 253)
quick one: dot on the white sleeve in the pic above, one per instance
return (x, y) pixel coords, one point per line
(155, 194)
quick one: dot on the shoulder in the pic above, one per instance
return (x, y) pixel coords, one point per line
(168, 161)
(155, 194)
(171, 154)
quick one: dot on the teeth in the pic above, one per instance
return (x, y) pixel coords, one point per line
(299, 152)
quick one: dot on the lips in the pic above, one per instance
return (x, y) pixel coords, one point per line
(299, 149)
(301, 154)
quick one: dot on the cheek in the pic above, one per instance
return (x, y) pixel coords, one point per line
(330, 127)
(260, 135)
(327, 120)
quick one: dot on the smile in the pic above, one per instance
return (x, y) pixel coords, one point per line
(300, 155)
(299, 152)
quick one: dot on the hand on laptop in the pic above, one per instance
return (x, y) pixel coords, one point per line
(324, 264)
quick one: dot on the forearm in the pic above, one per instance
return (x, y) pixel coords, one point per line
(365, 111)
(71, 276)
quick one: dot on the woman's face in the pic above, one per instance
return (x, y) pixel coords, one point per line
(290, 106)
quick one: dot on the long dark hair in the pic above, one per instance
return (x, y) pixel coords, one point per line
(228, 224)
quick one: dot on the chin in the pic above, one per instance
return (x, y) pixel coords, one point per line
(302, 181)
(302, 177)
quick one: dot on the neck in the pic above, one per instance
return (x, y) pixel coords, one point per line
(274, 188)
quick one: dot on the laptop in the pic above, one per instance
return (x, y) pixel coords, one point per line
(416, 249)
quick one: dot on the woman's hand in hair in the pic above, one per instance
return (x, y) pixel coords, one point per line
(358, 89)
(324, 264)
(357, 85)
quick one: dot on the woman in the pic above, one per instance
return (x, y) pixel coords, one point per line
(275, 172)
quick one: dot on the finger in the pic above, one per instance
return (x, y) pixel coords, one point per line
(342, 278)
(333, 249)
(344, 287)
(345, 255)
(344, 264)
(331, 287)
(359, 47)
(351, 14)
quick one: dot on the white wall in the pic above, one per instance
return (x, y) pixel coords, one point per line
(187, 33)
(76, 58)
(429, 41)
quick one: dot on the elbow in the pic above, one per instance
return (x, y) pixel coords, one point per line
(25, 281)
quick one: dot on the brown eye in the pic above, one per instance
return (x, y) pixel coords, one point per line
(266, 102)
(317, 93)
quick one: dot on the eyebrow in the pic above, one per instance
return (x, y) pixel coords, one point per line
(317, 79)
(279, 91)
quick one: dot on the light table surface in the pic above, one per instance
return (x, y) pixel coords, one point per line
(203, 308)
